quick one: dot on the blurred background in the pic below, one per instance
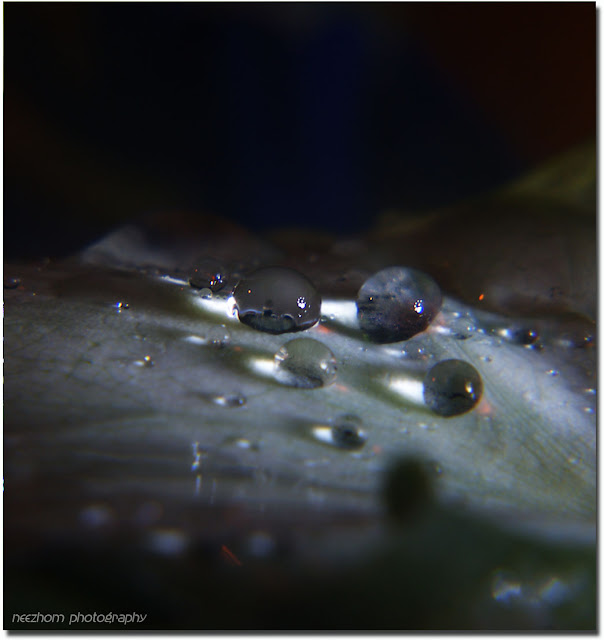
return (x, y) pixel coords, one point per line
(279, 115)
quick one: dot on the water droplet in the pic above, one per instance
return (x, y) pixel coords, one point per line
(552, 372)
(305, 363)
(397, 303)
(519, 335)
(121, 306)
(344, 433)
(486, 358)
(452, 387)
(588, 409)
(277, 300)
(11, 283)
(218, 337)
(207, 273)
(590, 392)
(146, 362)
(235, 400)
(205, 293)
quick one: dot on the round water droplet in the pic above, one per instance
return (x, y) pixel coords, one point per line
(452, 387)
(346, 432)
(121, 306)
(552, 372)
(397, 303)
(277, 300)
(519, 335)
(305, 363)
(205, 293)
(11, 283)
(218, 337)
(207, 273)
(229, 401)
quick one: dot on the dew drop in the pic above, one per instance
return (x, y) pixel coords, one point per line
(277, 300)
(397, 303)
(11, 283)
(229, 401)
(146, 362)
(205, 293)
(207, 273)
(452, 387)
(121, 306)
(218, 337)
(345, 433)
(552, 372)
(305, 363)
(525, 336)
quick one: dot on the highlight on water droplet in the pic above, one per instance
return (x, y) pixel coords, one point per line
(218, 337)
(11, 283)
(305, 363)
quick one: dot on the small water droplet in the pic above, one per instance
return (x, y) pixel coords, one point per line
(590, 392)
(146, 362)
(205, 293)
(345, 432)
(525, 336)
(552, 372)
(169, 542)
(486, 358)
(588, 409)
(277, 300)
(207, 273)
(452, 387)
(305, 363)
(121, 306)
(573, 460)
(235, 400)
(11, 283)
(218, 337)
(396, 304)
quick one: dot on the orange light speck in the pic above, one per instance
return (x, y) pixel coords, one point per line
(481, 297)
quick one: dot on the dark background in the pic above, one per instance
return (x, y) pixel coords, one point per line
(308, 115)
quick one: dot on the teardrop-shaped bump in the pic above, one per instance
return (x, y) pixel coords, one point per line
(305, 363)
(277, 300)
(397, 303)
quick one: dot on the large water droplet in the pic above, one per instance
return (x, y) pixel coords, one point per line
(207, 273)
(305, 363)
(277, 300)
(397, 303)
(452, 387)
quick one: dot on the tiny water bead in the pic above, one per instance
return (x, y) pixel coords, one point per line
(277, 300)
(345, 433)
(218, 337)
(305, 363)
(207, 273)
(397, 303)
(452, 387)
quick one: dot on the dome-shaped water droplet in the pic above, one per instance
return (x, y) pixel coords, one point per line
(346, 432)
(277, 300)
(397, 303)
(229, 401)
(207, 273)
(305, 363)
(218, 337)
(452, 387)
